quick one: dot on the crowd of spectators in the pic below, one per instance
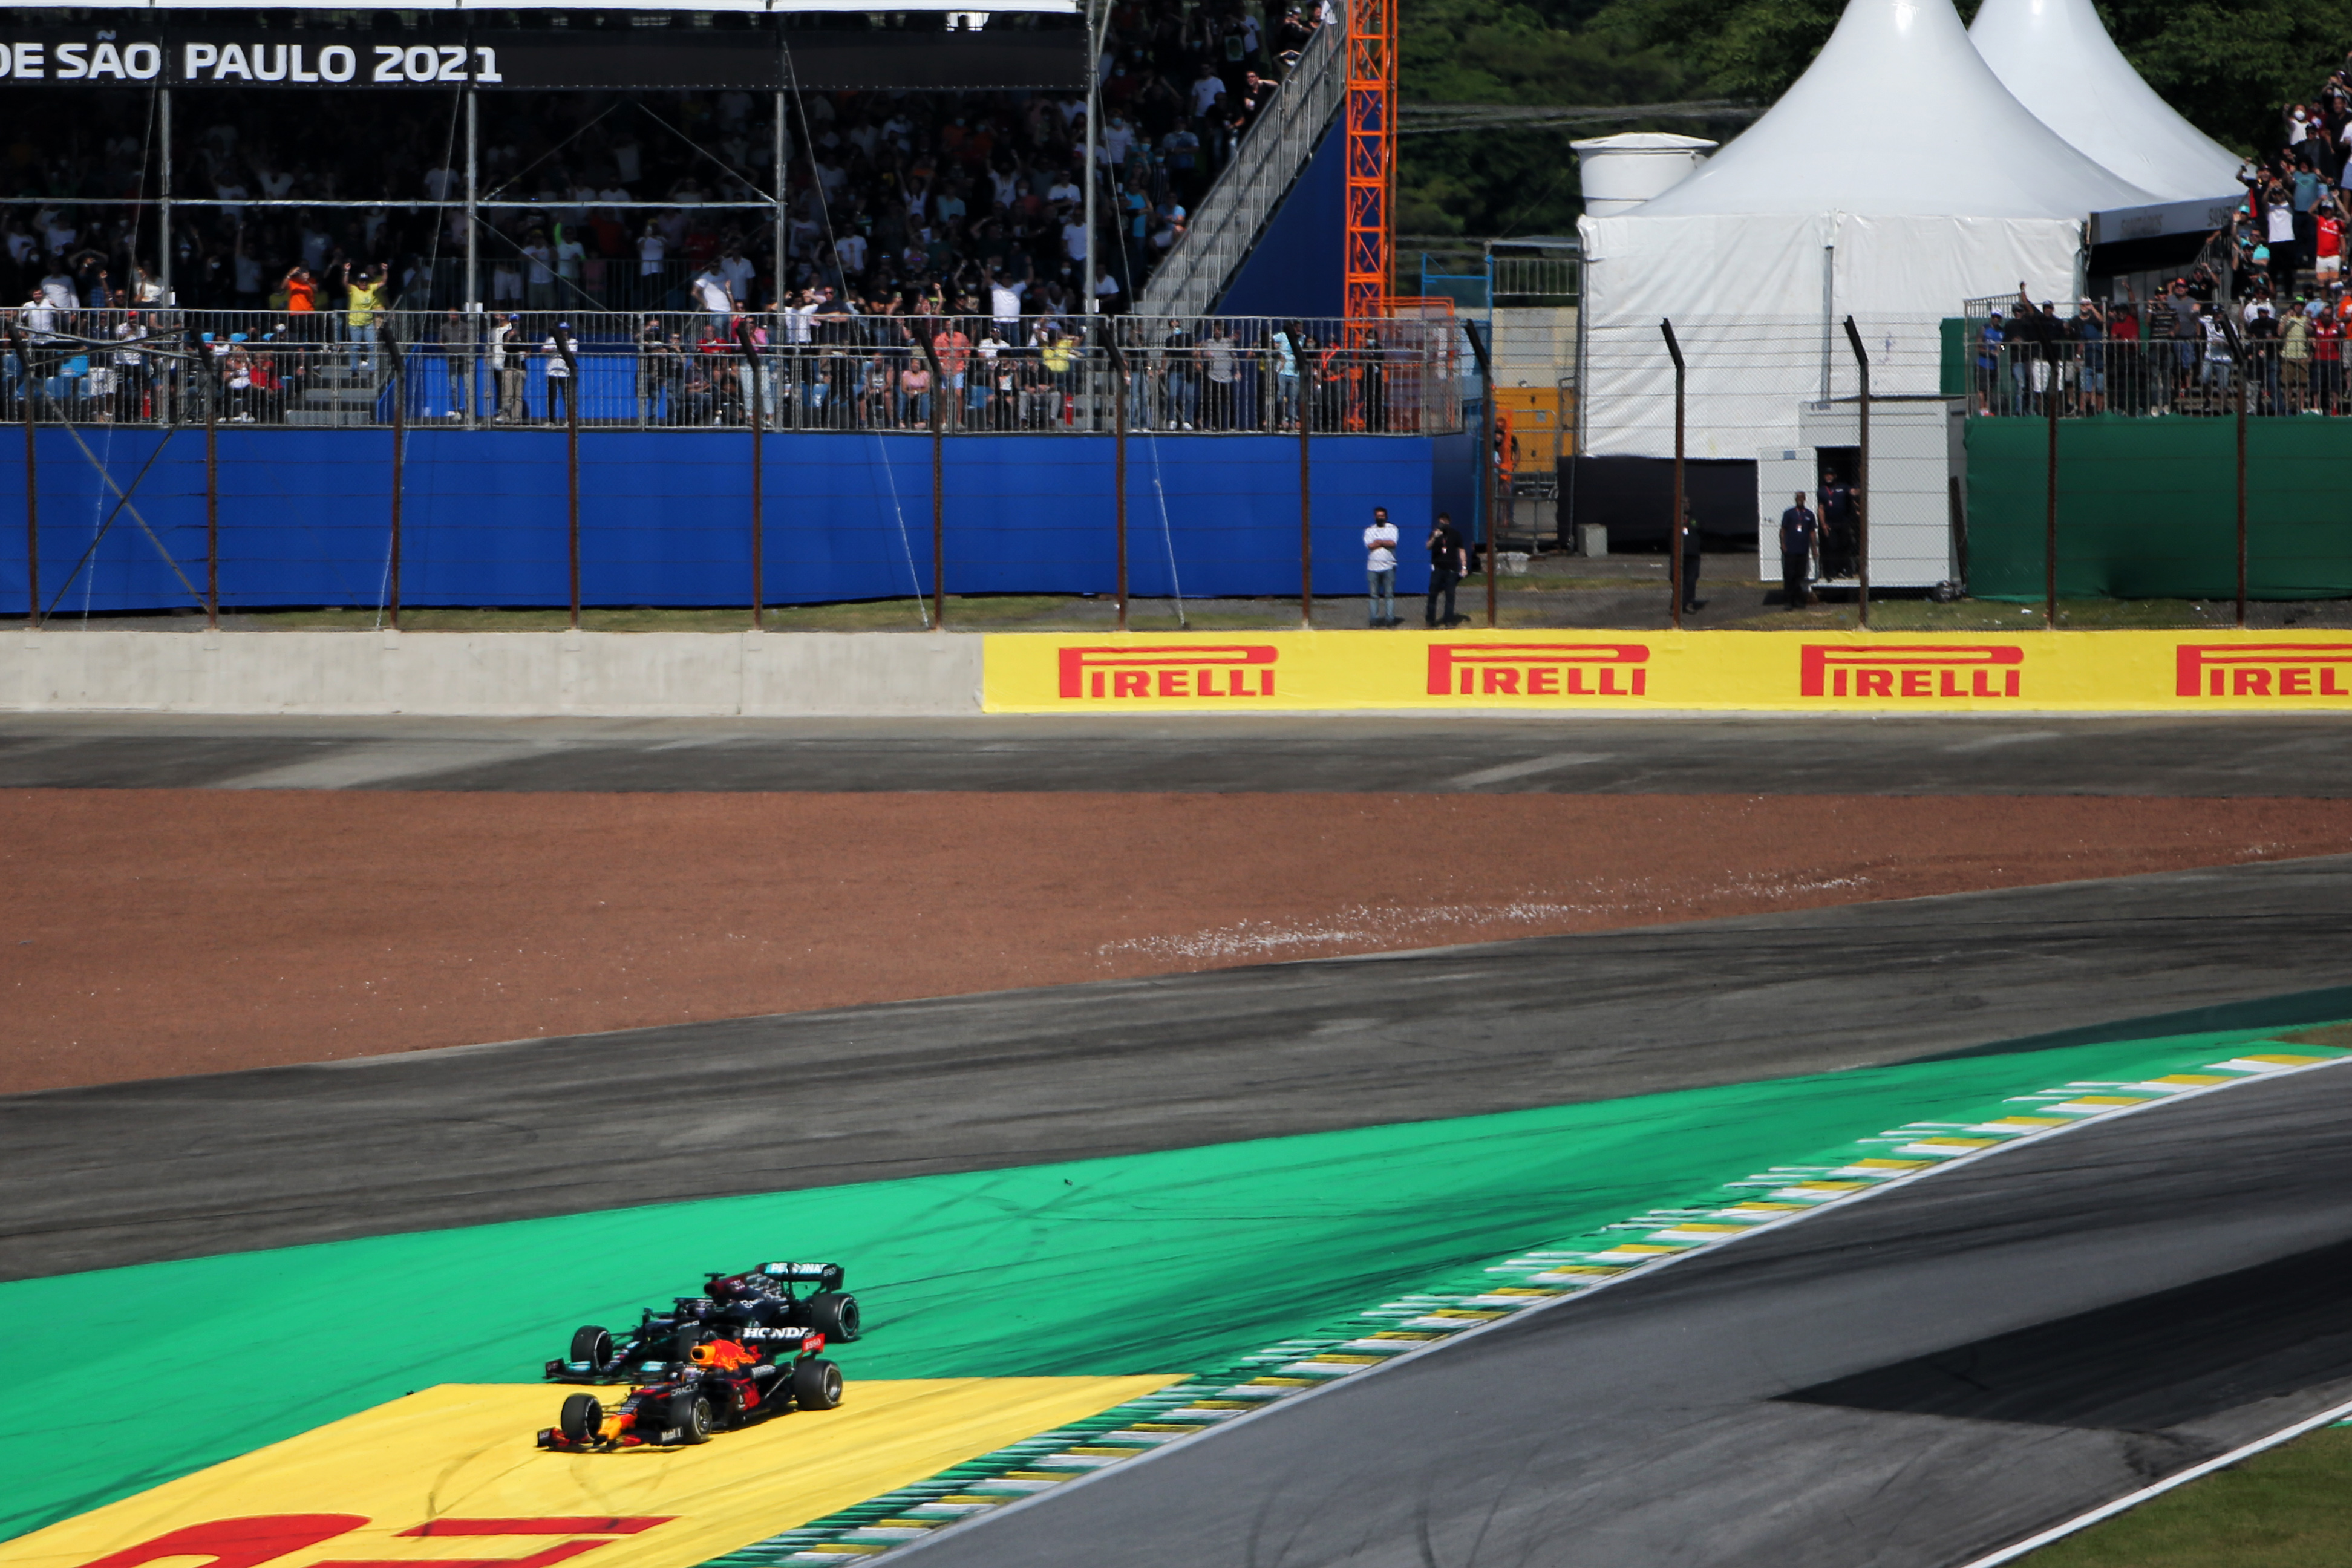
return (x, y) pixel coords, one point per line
(898, 202)
(2264, 312)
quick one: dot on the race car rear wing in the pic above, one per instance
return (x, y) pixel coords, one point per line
(824, 1276)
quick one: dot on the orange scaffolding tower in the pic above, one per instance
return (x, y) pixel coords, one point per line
(1371, 130)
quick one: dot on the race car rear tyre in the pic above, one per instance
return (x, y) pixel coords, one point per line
(691, 1414)
(583, 1418)
(816, 1384)
(682, 1346)
(833, 1315)
(593, 1345)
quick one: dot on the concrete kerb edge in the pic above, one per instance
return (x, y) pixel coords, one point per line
(1648, 1271)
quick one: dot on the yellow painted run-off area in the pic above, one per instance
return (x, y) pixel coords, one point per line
(2015, 672)
(450, 1476)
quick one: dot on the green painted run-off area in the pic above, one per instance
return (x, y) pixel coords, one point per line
(1164, 1262)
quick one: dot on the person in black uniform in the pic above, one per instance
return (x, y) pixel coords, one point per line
(1688, 535)
(1449, 563)
(1799, 533)
(1840, 536)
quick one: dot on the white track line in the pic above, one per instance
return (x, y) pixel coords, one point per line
(2121, 1504)
(1646, 1271)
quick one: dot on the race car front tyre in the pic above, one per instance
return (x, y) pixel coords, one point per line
(816, 1384)
(833, 1315)
(593, 1345)
(691, 1414)
(583, 1418)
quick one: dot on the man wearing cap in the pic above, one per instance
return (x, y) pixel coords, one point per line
(1800, 536)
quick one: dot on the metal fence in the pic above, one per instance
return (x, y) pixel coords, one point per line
(672, 370)
(2204, 376)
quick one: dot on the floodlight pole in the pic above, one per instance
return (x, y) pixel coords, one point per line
(1119, 458)
(1098, 21)
(938, 488)
(32, 485)
(399, 446)
(759, 517)
(1675, 525)
(572, 459)
(1862, 480)
(473, 219)
(782, 192)
(163, 193)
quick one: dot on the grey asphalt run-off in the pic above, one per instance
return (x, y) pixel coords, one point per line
(2286, 755)
(1653, 1422)
(183, 1167)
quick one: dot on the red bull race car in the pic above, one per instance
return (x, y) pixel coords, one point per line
(757, 1306)
(724, 1384)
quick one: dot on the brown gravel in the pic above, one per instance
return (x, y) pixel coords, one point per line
(159, 932)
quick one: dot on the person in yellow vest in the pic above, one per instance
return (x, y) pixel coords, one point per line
(363, 292)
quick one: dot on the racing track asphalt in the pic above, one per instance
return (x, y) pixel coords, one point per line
(186, 1167)
(2037, 754)
(1653, 1423)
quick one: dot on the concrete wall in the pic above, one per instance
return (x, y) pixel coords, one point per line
(509, 673)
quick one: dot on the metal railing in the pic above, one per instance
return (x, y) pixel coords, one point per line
(2149, 377)
(695, 371)
(1268, 161)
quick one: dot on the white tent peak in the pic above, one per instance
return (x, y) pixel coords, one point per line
(2055, 56)
(1899, 116)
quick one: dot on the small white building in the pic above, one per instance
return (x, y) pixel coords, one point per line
(1915, 454)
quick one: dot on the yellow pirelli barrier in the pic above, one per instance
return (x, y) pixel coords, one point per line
(2024, 671)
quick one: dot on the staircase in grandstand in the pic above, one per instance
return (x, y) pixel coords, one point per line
(1269, 161)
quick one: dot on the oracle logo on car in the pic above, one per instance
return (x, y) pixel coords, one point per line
(1538, 670)
(1841, 669)
(1233, 669)
(2262, 669)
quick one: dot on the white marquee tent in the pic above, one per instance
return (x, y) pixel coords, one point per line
(1898, 178)
(2055, 56)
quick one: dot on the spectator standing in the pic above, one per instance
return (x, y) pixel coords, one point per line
(1800, 533)
(1380, 566)
(1687, 537)
(457, 361)
(507, 362)
(559, 369)
(1839, 538)
(1449, 563)
(711, 294)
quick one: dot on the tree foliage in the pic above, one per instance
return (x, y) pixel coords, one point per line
(2229, 65)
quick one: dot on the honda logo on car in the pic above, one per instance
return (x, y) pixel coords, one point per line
(1537, 670)
(2262, 669)
(1233, 669)
(1840, 669)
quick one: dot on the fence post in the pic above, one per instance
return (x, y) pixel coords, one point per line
(1862, 482)
(2050, 524)
(1487, 470)
(1118, 460)
(759, 520)
(570, 452)
(202, 376)
(939, 486)
(32, 482)
(1675, 524)
(1306, 358)
(2241, 483)
(399, 450)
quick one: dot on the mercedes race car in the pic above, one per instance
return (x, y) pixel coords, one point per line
(758, 1306)
(724, 1384)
